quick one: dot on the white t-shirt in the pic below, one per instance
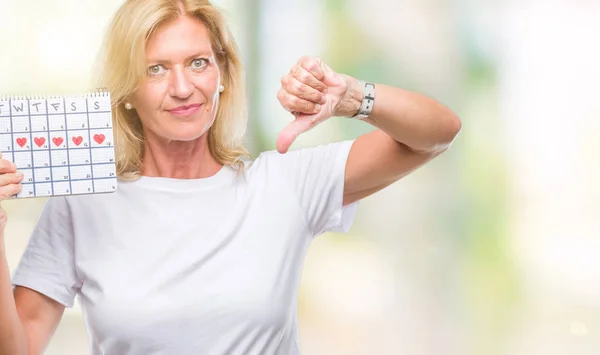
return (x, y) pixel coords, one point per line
(200, 266)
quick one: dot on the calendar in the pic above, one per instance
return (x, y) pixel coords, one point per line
(63, 144)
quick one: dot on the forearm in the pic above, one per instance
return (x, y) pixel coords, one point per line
(417, 121)
(12, 335)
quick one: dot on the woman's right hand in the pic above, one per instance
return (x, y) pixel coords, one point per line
(10, 185)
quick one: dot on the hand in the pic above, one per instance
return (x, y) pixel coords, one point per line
(313, 92)
(10, 185)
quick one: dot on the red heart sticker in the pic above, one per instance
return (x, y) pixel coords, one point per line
(22, 141)
(39, 141)
(99, 138)
(77, 140)
(57, 141)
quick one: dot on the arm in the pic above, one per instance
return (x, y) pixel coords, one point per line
(412, 129)
(40, 316)
(29, 319)
(12, 332)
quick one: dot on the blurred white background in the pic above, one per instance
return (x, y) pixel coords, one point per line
(490, 249)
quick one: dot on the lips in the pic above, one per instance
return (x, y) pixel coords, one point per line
(185, 110)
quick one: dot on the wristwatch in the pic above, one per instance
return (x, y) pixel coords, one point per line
(367, 102)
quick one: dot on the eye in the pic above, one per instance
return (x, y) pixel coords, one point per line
(199, 63)
(156, 69)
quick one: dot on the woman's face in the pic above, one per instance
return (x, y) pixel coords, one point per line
(179, 98)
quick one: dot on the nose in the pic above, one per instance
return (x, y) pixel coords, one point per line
(181, 85)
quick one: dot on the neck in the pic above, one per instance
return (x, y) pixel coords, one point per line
(178, 159)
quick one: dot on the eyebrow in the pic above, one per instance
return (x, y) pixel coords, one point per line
(203, 53)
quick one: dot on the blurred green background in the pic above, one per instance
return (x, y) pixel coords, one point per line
(490, 249)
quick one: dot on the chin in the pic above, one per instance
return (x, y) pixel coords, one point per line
(186, 132)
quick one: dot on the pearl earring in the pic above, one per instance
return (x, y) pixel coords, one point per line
(128, 106)
(221, 88)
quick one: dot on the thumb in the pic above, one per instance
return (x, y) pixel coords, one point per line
(286, 137)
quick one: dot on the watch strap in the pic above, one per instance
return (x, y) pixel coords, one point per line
(368, 100)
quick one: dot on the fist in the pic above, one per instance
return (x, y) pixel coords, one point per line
(10, 185)
(312, 92)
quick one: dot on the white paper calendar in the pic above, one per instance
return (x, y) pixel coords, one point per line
(63, 144)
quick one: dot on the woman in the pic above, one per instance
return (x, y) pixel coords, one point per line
(200, 251)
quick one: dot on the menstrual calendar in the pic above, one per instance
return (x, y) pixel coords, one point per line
(63, 144)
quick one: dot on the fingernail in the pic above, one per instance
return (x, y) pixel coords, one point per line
(19, 173)
(323, 99)
(317, 108)
(14, 166)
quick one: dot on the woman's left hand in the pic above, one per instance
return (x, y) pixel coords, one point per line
(313, 92)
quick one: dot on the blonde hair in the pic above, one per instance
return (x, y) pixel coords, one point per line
(122, 67)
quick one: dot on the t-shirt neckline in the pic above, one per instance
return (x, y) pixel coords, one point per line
(223, 176)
